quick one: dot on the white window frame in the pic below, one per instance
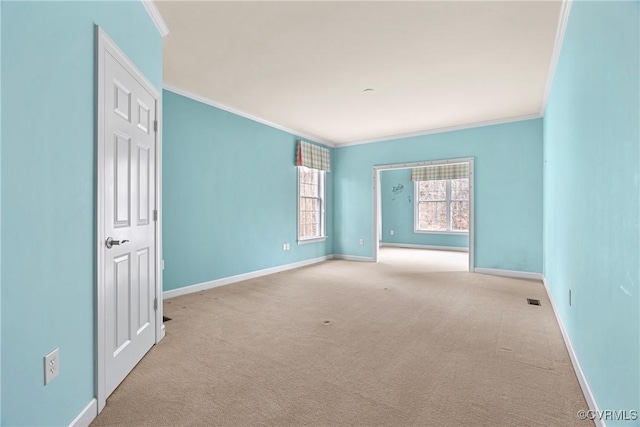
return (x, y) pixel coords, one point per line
(416, 204)
(322, 181)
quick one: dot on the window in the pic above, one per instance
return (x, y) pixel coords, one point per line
(311, 196)
(442, 206)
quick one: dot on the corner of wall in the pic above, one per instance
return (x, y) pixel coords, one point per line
(0, 211)
(188, 138)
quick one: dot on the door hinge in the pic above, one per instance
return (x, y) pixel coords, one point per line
(155, 214)
(155, 125)
(155, 304)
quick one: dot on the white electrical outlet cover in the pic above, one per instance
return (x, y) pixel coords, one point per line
(51, 366)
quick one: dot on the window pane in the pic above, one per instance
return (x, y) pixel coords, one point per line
(459, 189)
(310, 202)
(308, 176)
(460, 216)
(441, 216)
(309, 217)
(432, 216)
(428, 212)
(432, 211)
(306, 190)
(304, 175)
(423, 190)
(422, 216)
(437, 190)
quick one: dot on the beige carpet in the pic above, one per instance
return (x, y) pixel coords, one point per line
(357, 344)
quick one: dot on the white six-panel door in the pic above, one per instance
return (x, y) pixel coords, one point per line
(128, 232)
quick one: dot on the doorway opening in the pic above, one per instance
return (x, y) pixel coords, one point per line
(425, 205)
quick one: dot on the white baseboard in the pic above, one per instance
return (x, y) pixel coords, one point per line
(582, 379)
(509, 273)
(353, 258)
(240, 277)
(430, 247)
(87, 415)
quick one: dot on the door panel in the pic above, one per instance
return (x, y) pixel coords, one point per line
(144, 117)
(129, 198)
(144, 289)
(121, 289)
(144, 178)
(122, 179)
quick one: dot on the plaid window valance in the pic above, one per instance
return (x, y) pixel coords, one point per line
(313, 156)
(440, 172)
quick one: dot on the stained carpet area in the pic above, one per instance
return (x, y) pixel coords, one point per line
(357, 344)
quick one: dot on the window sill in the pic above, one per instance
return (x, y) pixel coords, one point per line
(453, 233)
(313, 240)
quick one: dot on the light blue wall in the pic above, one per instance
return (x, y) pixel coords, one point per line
(508, 193)
(591, 196)
(398, 213)
(229, 195)
(48, 197)
(0, 211)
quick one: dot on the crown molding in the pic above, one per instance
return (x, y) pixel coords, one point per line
(333, 144)
(156, 17)
(240, 113)
(563, 19)
(443, 129)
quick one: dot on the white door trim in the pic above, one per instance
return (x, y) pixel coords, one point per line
(376, 181)
(104, 45)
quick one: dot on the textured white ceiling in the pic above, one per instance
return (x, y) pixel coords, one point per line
(304, 65)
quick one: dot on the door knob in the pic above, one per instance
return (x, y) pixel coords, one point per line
(110, 242)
